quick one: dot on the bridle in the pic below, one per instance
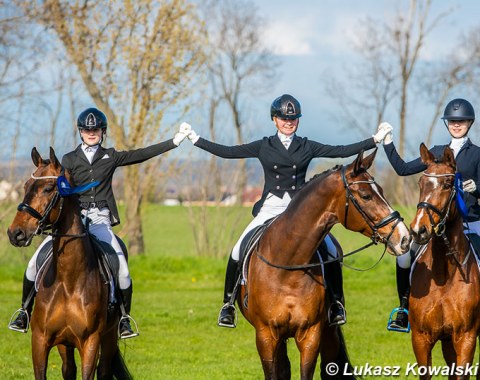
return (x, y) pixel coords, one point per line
(375, 237)
(439, 228)
(393, 217)
(43, 219)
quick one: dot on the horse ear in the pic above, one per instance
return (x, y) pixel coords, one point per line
(426, 156)
(368, 161)
(36, 158)
(448, 157)
(358, 162)
(53, 158)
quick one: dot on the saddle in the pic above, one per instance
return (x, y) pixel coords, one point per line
(107, 260)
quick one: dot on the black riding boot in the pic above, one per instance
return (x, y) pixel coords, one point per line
(334, 281)
(21, 322)
(125, 329)
(226, 317)
(403, 289)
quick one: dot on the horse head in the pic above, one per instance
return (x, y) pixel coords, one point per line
(42, 204)
(437, 192)
(372, 215)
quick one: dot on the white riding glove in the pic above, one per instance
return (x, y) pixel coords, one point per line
(182, 133)
(382, 131)
(193, 137)
(469, 186)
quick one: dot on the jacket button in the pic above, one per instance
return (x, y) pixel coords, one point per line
(293, 187)
(294, 176)
(277, 176)
(278, 187)
(294, 166)
(275, 166)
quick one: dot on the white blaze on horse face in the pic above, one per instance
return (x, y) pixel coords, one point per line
(422, 212)
(401, 227)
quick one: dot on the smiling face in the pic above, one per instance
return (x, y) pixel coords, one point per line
(286, 126)
(459, 128)
(91, 136)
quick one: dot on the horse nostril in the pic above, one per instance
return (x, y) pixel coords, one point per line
(405, 244)
(15, 236)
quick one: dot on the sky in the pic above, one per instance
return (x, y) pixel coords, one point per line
(313, 39)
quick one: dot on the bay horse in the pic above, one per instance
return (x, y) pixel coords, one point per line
(445, 293)
(283, 296)
(71, 307)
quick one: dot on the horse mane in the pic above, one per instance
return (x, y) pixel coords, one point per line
(317, 177)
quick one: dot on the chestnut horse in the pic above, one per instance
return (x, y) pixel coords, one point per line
(445, 292)
(71, 309)
(283, 296)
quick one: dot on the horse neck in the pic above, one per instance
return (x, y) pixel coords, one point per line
(70, 243)
(457, 242)
(306, 221)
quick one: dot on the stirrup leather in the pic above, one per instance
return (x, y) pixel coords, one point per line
(235, 318)
(134, 327)
(14, 317)
(391, 319)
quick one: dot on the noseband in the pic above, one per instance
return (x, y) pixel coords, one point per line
(393, 217)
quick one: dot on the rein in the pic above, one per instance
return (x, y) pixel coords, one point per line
(439, 228)
(394, 216)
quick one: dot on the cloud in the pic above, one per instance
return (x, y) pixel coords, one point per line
(287, 38)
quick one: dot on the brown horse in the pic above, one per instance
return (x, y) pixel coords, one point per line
(71, 309)
(445, 293)
(283, 296)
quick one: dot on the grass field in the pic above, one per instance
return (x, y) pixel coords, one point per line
(176, 301)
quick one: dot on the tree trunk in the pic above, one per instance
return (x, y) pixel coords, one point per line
(133, 221)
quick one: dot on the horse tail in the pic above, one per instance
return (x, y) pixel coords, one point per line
(345, 367)
(119, 367)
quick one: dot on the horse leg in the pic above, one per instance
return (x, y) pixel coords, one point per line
(89, 356)
(40, 351)
(465, 349)
(69, 368)
(267, 349)
(422, 347)
(309, 347)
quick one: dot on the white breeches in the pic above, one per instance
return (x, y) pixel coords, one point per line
(100, 227)
(272, 207)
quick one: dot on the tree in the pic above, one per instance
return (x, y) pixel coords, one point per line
(393, 72)
(239, 66)
(136, 60)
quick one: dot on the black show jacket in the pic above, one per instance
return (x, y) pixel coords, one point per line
(284, 170)
(103, 165)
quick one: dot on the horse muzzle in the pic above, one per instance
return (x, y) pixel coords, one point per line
(421, 235)
(402, 248)
(19, 238)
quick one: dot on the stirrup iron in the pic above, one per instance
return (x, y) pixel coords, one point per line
(390, 320)
(235, 316)
(133, 326)
(14, 316)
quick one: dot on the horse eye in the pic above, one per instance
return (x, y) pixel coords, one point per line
(48, 189)
(366, 196)
(447, 186)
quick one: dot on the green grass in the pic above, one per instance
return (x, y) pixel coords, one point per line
(176, 301)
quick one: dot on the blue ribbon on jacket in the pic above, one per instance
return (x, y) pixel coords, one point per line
(65, 189)
(462, 207)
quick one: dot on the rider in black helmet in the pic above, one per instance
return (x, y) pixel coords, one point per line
(285, 158)
(458, 117)
(91, 162)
